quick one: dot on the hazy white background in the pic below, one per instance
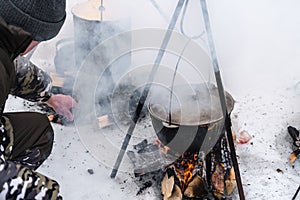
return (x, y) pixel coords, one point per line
(258, 46)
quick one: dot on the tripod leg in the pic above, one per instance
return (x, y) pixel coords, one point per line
(233, 157)
(147, 88)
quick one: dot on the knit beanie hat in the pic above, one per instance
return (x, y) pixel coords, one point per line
(41, 18)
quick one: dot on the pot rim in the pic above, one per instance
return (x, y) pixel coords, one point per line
(230, 105)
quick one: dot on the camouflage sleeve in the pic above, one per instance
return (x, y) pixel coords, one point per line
(18, 182)
(32, 83)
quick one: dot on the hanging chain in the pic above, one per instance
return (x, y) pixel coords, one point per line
(101, 8)
(173, 80)
(199, 36)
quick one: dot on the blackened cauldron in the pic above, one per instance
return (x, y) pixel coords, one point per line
(189, 118)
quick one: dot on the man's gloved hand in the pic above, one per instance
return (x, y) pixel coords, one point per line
(62, 104)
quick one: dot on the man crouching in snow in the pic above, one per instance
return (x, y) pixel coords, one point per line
(26, 138)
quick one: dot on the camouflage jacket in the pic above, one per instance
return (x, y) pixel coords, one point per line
(25, 80)
(31, 82)
(21, 78)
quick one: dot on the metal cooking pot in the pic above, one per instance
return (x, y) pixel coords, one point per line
(92, 26)
(193, 121)
(89, 29)
(64, 60)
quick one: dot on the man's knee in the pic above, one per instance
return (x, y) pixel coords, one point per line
(47, 131)
(33, 144)
(45, 142)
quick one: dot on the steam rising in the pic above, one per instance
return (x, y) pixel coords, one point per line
(114, 58)
(196, 104)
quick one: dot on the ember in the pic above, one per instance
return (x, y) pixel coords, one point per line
(184, 168)
(187, 174)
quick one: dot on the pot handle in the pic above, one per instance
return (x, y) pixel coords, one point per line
(167, 125)
(62, 41)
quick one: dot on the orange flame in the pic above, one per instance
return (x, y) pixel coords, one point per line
(184, 166)
(184, 170)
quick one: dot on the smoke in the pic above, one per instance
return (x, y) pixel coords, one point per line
(118, 17)
(257, 44)
(115, 52)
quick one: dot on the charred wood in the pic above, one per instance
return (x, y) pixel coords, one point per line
(294, 133)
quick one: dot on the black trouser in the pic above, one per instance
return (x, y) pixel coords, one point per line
(27, 139)
(33, 138)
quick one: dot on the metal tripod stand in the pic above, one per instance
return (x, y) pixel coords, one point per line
(219, 85)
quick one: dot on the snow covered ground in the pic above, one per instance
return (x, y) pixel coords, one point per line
(258, 47)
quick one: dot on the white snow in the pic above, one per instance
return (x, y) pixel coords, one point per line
(258, 48)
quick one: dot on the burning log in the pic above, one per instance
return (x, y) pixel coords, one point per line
(169, 189)
(201, 177)
(195, 188)
(230, 182)
(193, 175)
(185, 177)
(218, 182)
(221, 173)
(167, 186)
(187, 167)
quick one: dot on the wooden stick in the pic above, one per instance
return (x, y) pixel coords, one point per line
(57, 80)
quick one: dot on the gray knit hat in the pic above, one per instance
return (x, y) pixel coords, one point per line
(42, 18)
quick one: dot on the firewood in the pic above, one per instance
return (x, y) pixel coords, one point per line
(144, 187)
(294, 133)
(176, 194)
(167, 186)
(234, 135)
(57, 80)
(293, 155)
(188, 177)
(217, 179)
(104, 121)
(197, 188)
(230, 182)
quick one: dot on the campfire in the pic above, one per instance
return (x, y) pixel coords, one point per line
(191, 175)
(185, 177)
